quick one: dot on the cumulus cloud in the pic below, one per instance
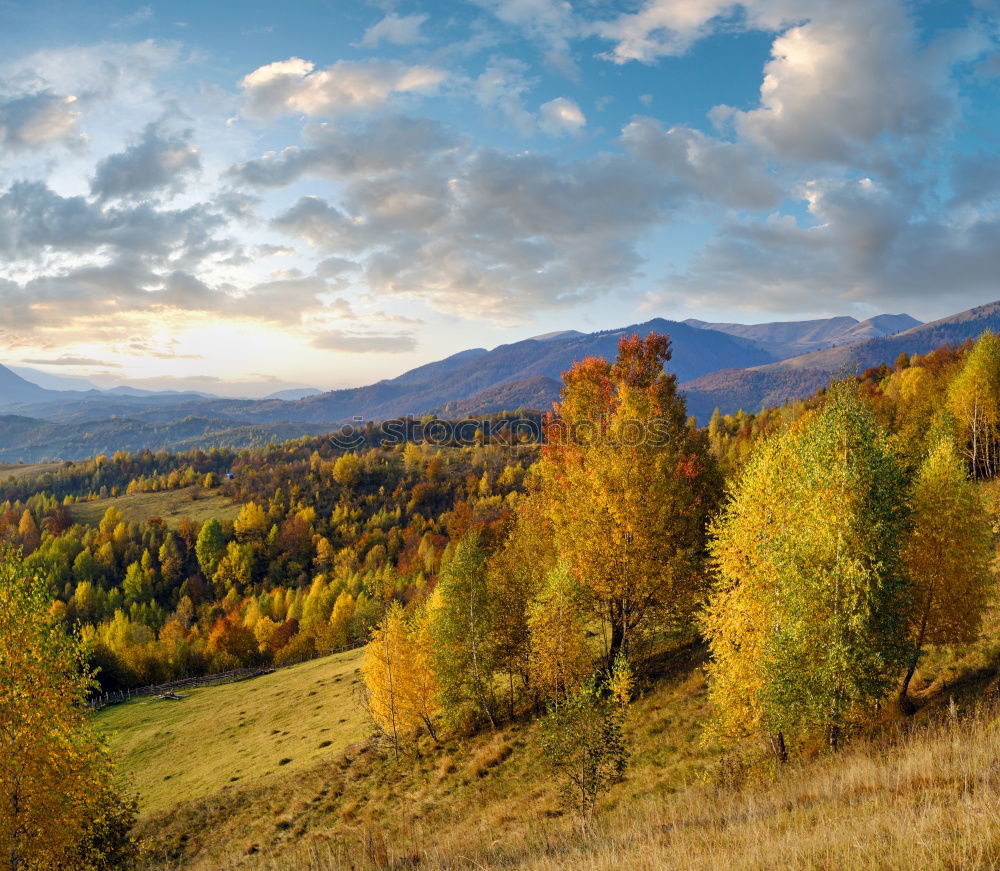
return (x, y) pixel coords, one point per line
(159, 161)
(862, 242)
(385, 144)
(660, 27)
(850, 75)
(732, 174)
(490, 234)
(33, 219)
(295, 86)
(395, 30)
(561, 117)
(36, 119)
(502, 86)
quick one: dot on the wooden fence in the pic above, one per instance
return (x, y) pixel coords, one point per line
(117, 696)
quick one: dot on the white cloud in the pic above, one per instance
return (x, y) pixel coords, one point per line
(37, 119)
(502, 85)
(732, 174)
(395, 30)
(561, 117)
(294, 86)
(863, 243)
(850, 75)
(660, 27)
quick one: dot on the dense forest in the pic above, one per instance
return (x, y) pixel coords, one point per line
(321, 536)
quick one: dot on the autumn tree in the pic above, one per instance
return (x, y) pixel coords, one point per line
(56, 786)
(516, 571)
(382, 672)
(583, 738)
(401, 688)
(948, 555)
(808, 622)
(462, 615)
(974, 401)
(561, 659)
(629, 487)
(210, 547)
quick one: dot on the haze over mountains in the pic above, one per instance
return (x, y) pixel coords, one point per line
(729, 366)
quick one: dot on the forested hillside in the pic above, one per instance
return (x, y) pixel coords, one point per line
(538, 615)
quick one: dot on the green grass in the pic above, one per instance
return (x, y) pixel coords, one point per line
(22, 470)
(223, 737)
(170, 505)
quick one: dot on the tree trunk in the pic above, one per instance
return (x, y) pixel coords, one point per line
(833, 736)
(904, 703)
(430, 728)
(617, 638)
(778, 747)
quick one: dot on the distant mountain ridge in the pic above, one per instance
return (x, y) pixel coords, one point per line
(800, 376)
(729, 366)
(789, 338)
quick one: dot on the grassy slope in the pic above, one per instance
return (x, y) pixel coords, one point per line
(930, 800)
(21, 470)
(219, 738)
(170, 505)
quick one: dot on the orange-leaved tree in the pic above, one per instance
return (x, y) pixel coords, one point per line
(629, 485)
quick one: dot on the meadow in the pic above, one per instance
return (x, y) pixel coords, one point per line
(195, 503)
(10, 471)
(918, 792)
(219, 738)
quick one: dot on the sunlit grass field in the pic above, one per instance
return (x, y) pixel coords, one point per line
(217, 738)
(21, 470)
(170, 505)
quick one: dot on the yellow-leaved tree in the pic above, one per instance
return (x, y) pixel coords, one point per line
(59, 806)
(948, 555)
(400, 684)
(810, 617)
(561, 659)
(974, 402)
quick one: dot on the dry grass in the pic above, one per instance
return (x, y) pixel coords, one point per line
(928, 801)
(23, 470)
(921, 793)
(169, 505)
(217, 739)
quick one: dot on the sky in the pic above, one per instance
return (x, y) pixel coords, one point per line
(241, 197)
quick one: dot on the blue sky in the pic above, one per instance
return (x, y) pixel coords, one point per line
(328, 193)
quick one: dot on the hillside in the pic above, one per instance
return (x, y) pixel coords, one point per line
(222, 738)
(48, 424)
(32, 440)
(789, 338)
(952, 330)
(536, 393)
(923, 802)
(195, 503)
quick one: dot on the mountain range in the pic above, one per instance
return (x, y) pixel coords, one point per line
(724, 365)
